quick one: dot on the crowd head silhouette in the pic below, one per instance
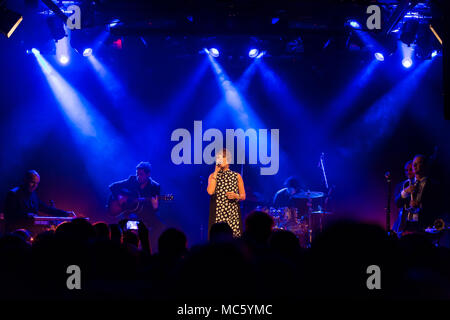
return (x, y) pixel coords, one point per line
(265, 263)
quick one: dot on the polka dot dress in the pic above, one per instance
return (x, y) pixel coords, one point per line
(224, 209)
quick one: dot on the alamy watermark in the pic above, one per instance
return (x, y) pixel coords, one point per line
(74, 20)
(74, 279)
(258, 146)
(374, 280)
(373, 22)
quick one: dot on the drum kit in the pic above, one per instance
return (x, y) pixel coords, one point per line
(305, 219)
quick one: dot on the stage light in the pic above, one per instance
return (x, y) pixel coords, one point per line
(32, 51)
(275, 20)
(213, 52)
(9, 21)
(62, 51)
(379, 56)
(64, 59)
(253, 53)
(408, 53)
(434, 53)
(354, 24)
(407, 62)
(87, 52)
(114, 23)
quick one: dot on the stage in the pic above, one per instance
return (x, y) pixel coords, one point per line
(326, 107)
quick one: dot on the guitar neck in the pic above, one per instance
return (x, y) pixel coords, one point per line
(46, 218)
(163, 197)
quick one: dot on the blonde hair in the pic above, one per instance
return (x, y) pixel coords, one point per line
(224, 154)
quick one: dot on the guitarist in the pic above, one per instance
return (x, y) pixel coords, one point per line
(148, 190)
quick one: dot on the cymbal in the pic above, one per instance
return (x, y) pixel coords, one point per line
(321, 212)
(307, 195)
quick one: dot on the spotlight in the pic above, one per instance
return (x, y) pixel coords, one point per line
(214, 52)
(114, 23)
(62, 51)
(63, 59)
(407, 62)
(275, 20)
(260, 54)
(434, 53)
(9, 21)
(33, 51)
(354, 24)
(87, 52)
(379, 56)
(253, 53)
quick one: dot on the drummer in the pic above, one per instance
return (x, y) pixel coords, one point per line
(284, 197)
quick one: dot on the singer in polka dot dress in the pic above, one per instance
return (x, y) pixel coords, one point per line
(226, 189)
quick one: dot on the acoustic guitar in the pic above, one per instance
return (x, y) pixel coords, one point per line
(123, 204)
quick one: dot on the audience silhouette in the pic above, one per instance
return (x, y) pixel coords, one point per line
(265, 263)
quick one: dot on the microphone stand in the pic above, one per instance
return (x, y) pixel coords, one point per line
(322, 166)
(241, 204)
(387, 175)
(321, 215)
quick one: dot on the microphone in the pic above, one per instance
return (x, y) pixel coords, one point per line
(219, 163)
